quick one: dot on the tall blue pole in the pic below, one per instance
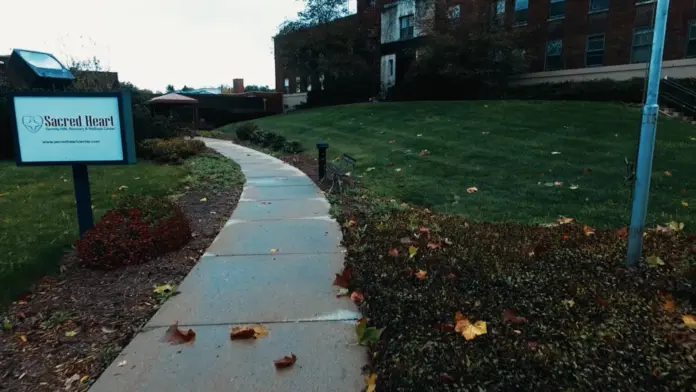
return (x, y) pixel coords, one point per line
(647, 138)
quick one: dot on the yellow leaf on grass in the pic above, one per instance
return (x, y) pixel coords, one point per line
(163, 289)
(654, 261)
(71, 333)
(564, 221)
(668, 173)
(473, 189)
(123, 187)
(371, 381)
(689, 320)
(676, 226)
(23, 338)
(467, 329)
(204, 199)
(412, 250)
(588, 230)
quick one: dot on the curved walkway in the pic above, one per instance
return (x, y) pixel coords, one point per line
(242, 279)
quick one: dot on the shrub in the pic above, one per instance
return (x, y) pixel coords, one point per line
(139, 229)
(293, 147)
(170, 150)
(212, 134)
(245, 131)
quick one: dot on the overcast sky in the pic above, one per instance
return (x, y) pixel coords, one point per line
(153, 43)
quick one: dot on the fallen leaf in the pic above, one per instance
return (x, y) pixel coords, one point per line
(257, 331)
(472, 189)
(588, 230)
(380, 227)
(433, 245)
(685, 203)
(122, 363)
(175, 336)
(23, 338)
(573, 187)
(565, 237)
(622, 232)
(424, 153)
(655, 261)
(420, 134)
(204, 199)
(392, 141)
(393, 252)
(342, 293)
(661, 229)
(285, 362)
(83, 379)
(676, 226)
(412, 250)
(467, 329)
(564, 221)
(371, 381)
(122, 187)
(350, 223)
(71, 380)
(70, 333)
(4, 194)
(421, 274)
(669, 304)
(424, 229)
(555, 153)
(558, 183)
(357, 298)
(689, 320)
(668, 173)
(274, 250)
(568, 302)
(367, 335)
(444, 377)
(6, 324)
(485, 133)
(343, 279)
(511, 316)
(107, 330)
(448, 241)
(451, 276)
(164, 289)
(369, 169)
(405, 240)
(397, 169)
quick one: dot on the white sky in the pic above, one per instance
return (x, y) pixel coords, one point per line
(153, 43)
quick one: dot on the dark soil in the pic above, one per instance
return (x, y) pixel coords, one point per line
(562, 310)
(105, 308)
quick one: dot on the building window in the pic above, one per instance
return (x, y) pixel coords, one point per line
(556, 9)
(406, 27)
(321, 81)
(521, 8)
(391, 67)
(286, 86)
(642, 45)
(298, 85)
(499, 13)
(599, 5)
(309, 83)
(691, 44)
(594, 51)
(554, 58)
(454, 13)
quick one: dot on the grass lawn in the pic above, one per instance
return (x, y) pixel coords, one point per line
(505, 149)
(37, 212)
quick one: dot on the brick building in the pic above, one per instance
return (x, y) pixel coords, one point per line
(562, 34)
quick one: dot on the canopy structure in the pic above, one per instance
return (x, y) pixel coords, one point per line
(172, 100)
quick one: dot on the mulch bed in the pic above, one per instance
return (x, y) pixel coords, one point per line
(562, 311)
(105, 308)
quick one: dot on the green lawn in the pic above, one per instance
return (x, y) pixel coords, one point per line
(504, 148)
(37, 212)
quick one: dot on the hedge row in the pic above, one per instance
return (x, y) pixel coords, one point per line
(250, 132)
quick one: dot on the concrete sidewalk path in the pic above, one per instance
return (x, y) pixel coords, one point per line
(240, 281)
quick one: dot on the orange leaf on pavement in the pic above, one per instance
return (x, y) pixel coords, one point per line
(285, 362)
(343, 279)
(175, 336)
(248, 332)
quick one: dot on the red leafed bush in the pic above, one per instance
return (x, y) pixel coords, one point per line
(133, 235)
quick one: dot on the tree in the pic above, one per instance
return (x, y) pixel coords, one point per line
(170, 88)
(186, 88)
(316, 12)
(471, 57)
(253, 87)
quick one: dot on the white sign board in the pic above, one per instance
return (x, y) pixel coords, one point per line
(68, 129)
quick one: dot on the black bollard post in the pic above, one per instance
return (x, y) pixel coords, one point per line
(322, 147)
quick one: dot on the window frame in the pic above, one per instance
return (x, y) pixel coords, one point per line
(298, 84)
(546, 56)
(518, 11)
(286, 85)
(689, 39)
(499, 12)
(410, 29)
(558, 16)
(590, 10)
(451, 17)
(588, 51)
(633, 42)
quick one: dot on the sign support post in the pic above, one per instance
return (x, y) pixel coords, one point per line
(83, 198)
